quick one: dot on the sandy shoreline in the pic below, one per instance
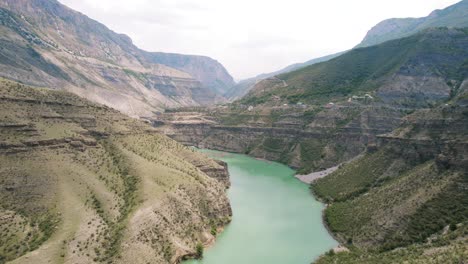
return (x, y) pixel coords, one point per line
(311, 177)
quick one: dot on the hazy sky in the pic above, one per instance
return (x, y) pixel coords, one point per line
(250, 37)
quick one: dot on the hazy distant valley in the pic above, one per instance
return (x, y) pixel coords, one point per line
(94, 167)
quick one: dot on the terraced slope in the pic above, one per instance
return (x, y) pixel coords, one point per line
(308, 138)
(82, 183)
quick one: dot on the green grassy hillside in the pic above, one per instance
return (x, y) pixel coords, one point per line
(447, 248)
(395, 28)
(406, 201)
(412, 71)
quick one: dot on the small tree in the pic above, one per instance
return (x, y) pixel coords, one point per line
(199, 249)
(453, 227)
(214, 232)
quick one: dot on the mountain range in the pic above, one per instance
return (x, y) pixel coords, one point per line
(243, 87)
(417, 70)
(44, 43)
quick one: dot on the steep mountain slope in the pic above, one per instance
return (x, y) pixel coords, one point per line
(411, 72)
(47, 44)
(243, 87)
(409, 191)
(82, 183)
(395, 28)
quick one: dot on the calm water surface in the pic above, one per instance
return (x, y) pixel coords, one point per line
(275, 218)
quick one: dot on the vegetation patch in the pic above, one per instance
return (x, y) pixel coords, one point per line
(354, 178)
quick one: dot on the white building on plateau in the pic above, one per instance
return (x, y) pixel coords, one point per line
(365, 97)
(330, 105)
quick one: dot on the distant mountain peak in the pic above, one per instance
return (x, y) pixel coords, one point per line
(394, 28)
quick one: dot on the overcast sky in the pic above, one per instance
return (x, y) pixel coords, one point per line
(250, 37)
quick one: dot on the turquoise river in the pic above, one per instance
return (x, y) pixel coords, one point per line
(275, 220)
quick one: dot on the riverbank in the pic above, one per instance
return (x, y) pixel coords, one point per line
(341, 247)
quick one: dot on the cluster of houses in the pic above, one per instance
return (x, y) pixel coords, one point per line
(330, 105)
(298, 105)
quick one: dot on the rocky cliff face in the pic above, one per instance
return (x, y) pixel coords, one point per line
(306, 138)
(83, 183)
(437, 134)
(47, 44)
(206, 70)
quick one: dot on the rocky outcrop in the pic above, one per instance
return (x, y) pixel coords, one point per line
(219, 173)
(433, 134)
